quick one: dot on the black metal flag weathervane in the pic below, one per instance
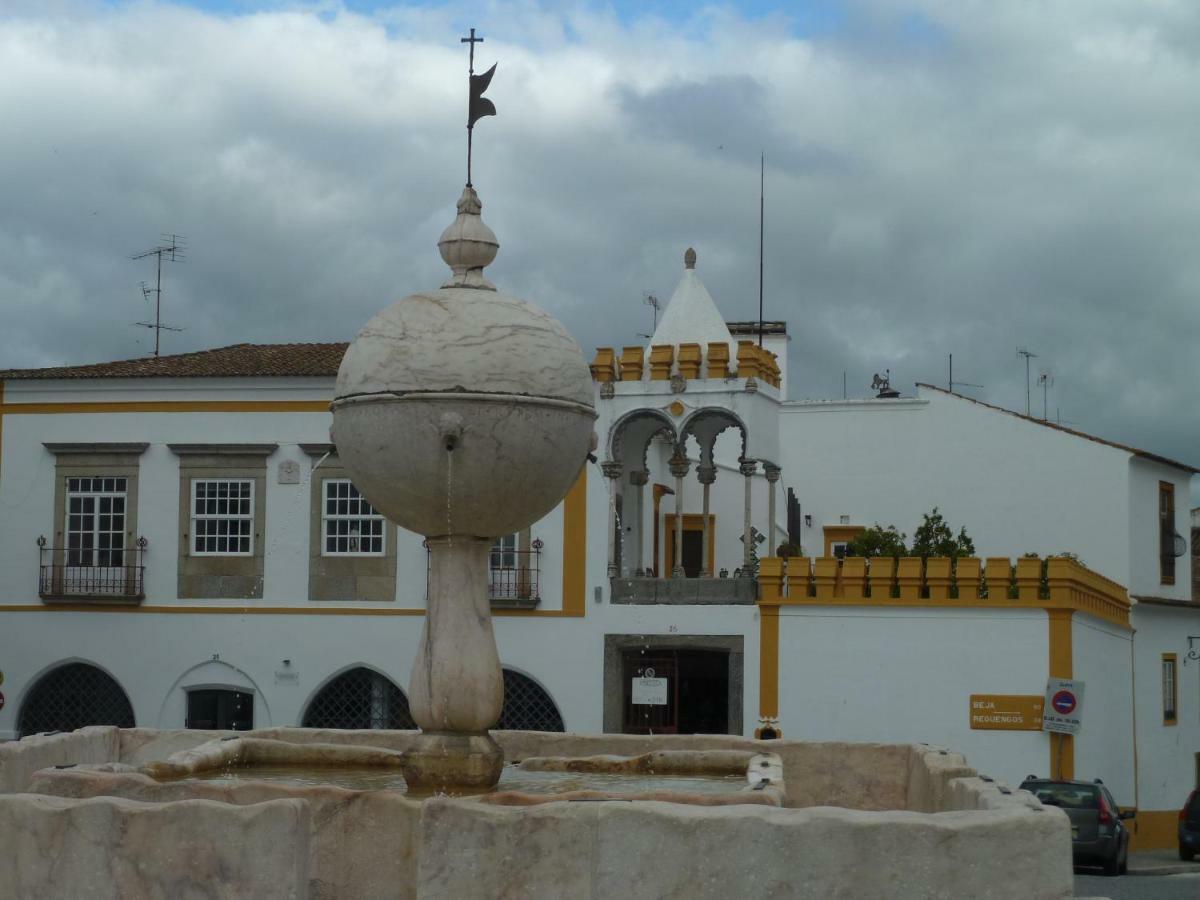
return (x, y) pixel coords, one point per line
(479, 105)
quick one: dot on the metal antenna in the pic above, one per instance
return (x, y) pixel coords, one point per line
(1021, 351)
(650, 300)
(1046, 380)
(172, 247)
(959, 383)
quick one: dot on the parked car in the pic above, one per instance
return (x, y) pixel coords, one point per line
(1189, 826)
(1098, 834)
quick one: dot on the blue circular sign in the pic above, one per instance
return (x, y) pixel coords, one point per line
(1063, 702)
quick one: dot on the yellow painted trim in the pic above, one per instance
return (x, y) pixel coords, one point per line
(1155, 829)
(218, 610)
(768, 661)
(166, 406)
(1062, 746)
(835, 534)
(1173, 659)
(691, 522)
(268, 610)
(574, 579)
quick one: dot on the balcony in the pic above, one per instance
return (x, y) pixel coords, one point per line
(94, 576)
(513, 577)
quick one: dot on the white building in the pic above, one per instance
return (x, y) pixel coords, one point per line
(179, 546)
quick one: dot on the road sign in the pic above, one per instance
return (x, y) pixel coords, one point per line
(1006, 712)
(650, 692)
(1063, 712)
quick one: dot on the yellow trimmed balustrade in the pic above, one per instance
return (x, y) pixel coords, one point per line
(1052, 583)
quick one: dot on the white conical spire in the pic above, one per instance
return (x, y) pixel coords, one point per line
(692, 316)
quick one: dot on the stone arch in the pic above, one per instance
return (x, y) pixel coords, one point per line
(629, 437)
(358, 697)
(73, 694)
(215, 674)
(707, 424)
(527, 705)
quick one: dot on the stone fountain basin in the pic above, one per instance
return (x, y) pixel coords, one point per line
(701, 777)
(395, 446)
(928, 824)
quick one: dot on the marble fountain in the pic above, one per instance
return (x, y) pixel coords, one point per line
(462, 413)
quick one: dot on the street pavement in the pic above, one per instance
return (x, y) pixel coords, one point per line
(1139, 887)
(1153, 875)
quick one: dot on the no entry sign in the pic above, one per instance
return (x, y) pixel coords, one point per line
(1064, 706)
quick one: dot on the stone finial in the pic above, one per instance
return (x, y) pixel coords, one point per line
(468, 245)
(689, 259)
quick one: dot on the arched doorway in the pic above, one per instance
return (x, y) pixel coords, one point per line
(72, 696)
(359, 698)
(527, 706)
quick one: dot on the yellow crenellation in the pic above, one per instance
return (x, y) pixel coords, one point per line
(662, 356)
(911, 581)
(631, 363)
(604, 366)
(718, 360)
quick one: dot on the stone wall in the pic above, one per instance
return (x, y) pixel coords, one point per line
(114, 849)
(19, 760)
(358, 844)
(664, 850)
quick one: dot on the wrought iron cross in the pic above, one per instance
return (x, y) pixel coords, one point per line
(478, 105)
(472, 40)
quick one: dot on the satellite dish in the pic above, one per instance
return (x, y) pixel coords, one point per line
(1180, 547)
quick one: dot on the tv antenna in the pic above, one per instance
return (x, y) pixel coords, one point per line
(1046, 380)
(653, 302)
(1021, 351)
(959, 383)
(172, 247)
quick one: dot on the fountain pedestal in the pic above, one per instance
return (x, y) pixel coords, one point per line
(457, 689)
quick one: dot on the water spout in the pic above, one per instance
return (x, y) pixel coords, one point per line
(451, 427)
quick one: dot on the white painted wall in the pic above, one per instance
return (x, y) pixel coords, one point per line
(899, 675)
(1145, 574)
(1166, 753)
(1016, 485)
(1104, 745)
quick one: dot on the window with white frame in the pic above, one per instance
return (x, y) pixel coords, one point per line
(350, 526)
(222, 517)
(504, 552)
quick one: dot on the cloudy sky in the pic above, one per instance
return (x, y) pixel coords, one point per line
(943, 176)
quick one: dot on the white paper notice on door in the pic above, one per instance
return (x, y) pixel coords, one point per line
(649, 692)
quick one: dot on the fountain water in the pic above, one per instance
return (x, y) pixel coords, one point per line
(495, 392)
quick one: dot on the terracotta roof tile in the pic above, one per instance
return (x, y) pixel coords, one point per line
(237, 361)
(1144, 454)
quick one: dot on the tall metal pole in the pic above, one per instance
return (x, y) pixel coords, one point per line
(762, 181)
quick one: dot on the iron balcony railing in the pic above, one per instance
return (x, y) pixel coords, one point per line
(84, 573)
(513, 574)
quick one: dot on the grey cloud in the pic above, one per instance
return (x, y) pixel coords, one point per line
(989, 179)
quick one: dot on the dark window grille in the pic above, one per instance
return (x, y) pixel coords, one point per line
(359, 699)
(71, 573)
(527, 707)
(72, 696)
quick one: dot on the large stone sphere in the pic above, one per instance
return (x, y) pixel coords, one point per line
(463, 411)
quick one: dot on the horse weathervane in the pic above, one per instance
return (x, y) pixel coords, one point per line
(479, 106)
